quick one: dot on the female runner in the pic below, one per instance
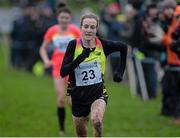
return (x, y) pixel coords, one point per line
(84, 62)
(59, 35)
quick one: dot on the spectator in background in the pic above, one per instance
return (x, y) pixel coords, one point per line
(51, 4)
(151, 45)
(166, 21)
(112, 23)
(47, 16)
(114, 29)
(25, 35)
(129, 12)
(147, 38)
(171, 80)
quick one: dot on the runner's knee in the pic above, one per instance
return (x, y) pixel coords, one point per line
(97, 121)
(61, 101)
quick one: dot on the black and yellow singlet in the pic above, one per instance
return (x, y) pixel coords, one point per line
(86, 72)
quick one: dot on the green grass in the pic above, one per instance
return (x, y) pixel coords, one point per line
(28, 108)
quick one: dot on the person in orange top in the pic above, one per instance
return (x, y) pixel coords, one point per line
(59, 35)
(171, 80)
(172, 57)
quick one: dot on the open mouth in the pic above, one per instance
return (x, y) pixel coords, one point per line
(88, 34)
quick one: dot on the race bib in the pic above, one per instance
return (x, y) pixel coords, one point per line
(61, 42)
(88, 73)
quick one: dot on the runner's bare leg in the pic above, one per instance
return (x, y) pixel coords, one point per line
(97, 113)
(80, 125)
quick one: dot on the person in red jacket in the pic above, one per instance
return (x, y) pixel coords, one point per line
(59, 35)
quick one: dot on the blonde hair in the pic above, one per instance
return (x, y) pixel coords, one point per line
(91, 16)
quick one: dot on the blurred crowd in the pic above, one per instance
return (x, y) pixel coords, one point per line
(151, 28)
(153, 32)
(27, 34)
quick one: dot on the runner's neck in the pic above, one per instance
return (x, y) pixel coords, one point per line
(63, 29)
(89, 44)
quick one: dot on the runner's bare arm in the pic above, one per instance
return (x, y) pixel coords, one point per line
(44, 55)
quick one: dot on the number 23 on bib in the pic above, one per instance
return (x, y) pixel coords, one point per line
(88, 73)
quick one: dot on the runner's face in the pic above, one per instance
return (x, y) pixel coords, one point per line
(64, 19)
(89, 29)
